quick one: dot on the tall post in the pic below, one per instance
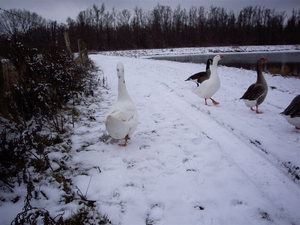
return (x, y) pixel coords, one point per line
(79, 41)
(3, 100)
(67, 40)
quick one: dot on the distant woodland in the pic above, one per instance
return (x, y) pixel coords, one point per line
(162, 27)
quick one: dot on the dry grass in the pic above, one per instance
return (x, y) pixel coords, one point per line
(285, 71)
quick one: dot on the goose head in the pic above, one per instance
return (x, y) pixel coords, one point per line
(262, 60)
(122, 91)
(217, 58)
(120, 72)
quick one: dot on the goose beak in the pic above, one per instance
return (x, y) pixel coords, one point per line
(221, 56)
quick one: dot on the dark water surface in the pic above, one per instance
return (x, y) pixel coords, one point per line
(285, 63)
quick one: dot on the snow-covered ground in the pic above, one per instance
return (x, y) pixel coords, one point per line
(187, 163)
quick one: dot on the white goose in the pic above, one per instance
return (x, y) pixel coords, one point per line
(292, 112)
(210, 86)
(122, 120)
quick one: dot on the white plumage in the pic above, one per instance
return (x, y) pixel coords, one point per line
(122, 120)
(210, 86)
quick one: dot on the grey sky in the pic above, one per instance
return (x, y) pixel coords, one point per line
(60, 10)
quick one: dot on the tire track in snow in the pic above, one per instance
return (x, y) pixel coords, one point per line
(273, 145)
(274, 104)
(265, 175)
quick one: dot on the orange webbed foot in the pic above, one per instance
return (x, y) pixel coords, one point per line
(123, 145)
(214, 102)
(126, 139)
(258, 112)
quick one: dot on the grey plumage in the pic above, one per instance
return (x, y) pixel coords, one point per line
(293, 110)
(257, 92)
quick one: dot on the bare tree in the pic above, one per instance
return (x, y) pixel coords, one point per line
(98, 16)
(15, 22)
(292, 29)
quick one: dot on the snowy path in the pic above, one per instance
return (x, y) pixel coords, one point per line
(244, 157)
(188, 163)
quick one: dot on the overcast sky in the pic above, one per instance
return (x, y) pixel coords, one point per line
(60, 10)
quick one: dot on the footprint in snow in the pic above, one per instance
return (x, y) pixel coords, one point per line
(155, 216)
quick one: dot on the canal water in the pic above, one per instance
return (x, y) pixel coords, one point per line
(284, 63)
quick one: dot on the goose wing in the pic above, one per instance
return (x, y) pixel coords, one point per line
(199, 77)
(254, 92)
(121, 121)
(294, 108)
(122, 112)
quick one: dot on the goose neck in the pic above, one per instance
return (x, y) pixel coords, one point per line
(122, 91)
(260, 76)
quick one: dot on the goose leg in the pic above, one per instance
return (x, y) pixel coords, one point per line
(205, 101)
(126, 139)
(214, 102)
(258, 112)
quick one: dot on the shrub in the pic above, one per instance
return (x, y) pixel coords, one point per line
(36, 102)
(46, 81)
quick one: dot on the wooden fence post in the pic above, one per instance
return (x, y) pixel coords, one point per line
(82, 51)
(3, 99)
(67, 40)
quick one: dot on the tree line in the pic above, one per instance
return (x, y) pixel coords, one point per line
(160, 27)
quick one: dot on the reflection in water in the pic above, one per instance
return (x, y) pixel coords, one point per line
(284, 63)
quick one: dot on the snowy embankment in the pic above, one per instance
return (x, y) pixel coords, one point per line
(202, 50)
(187, 163)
